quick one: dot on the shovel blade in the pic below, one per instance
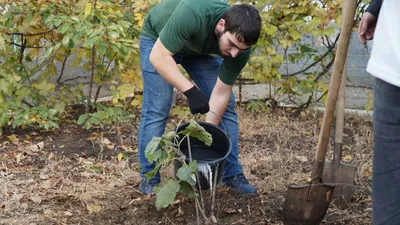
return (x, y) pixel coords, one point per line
(343, 179)
(306, 204)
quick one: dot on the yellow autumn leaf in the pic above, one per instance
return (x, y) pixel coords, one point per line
(295, 35)
(120, 155)
(285, 43)
(348, 158)
(324, 87)
(34, 52)
(137, 101)
(88, 9)
(93, 209)
(2, 43)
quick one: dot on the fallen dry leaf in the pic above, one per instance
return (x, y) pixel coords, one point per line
(37, 147)
(213, 219)
(49, 183)
(36, 199)
(14, 139)
(301, 158)
(67, 213)
(52, 156)
(108, 143)
(127, 148)
(44, 176)
(180, 211)
(120, 155)
(328, 196)
(348, 158)
(38, 138)
(19, 157)
(230, 211)
(48, 213)
(93, 209)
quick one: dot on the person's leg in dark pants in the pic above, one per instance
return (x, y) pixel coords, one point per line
(386, 158)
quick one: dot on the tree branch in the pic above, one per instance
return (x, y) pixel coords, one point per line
(30, 34)
(18, 45)
(102, 77)
(89, 97)
(314, 63)
(63, 68)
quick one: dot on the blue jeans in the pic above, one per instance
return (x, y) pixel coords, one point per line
(157, 100)
(386, 159)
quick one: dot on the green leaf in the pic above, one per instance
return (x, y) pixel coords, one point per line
(8, 22)
(169, 136)
(29, 17)
(75, 18)
(115, 48)
(113, 34)
(65, 40)
(48, 52)
(64, 28)
(102, 49)
(151, 174)
(90, 42)
(165, 193)
(60, 107)
(96, 33)
(187, 190)
(82, 118)
(96, 169)
(71, 44)
(152, 147)
(186, 171)
(76, 62)
(197, 131)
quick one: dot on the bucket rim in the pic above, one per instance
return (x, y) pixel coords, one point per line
(219, 160)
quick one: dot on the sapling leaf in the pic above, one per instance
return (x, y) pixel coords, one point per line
(197, 131)
(152, 147)
(186, 171)
(165, 193)
(169, 136)
(187, 190)
(154, 156)
(151, 174)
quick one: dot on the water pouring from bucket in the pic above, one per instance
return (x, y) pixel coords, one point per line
(210, 159)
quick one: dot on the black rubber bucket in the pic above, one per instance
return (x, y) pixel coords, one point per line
(214, 155)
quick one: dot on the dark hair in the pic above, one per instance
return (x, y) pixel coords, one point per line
(245, 21)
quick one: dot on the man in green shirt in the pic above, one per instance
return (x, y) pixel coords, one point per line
(211, 40)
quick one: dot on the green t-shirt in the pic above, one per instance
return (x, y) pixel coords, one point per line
(187, 27)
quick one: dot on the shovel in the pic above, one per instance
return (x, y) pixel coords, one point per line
(335, 171)
(307, 204)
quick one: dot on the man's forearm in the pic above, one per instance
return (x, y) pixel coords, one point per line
(374, 7)
(218, 102)
(166, 66)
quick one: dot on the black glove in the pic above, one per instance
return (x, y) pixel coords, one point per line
(198, 101)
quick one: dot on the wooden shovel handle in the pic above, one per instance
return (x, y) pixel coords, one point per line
(340, 106)
(349, 8)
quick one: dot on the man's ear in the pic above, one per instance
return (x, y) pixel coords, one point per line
(221, 25)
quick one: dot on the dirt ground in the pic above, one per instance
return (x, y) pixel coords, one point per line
(74, 176)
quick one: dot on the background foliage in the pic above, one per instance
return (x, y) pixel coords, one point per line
(42, 39)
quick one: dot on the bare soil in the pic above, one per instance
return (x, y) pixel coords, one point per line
(76, 177)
